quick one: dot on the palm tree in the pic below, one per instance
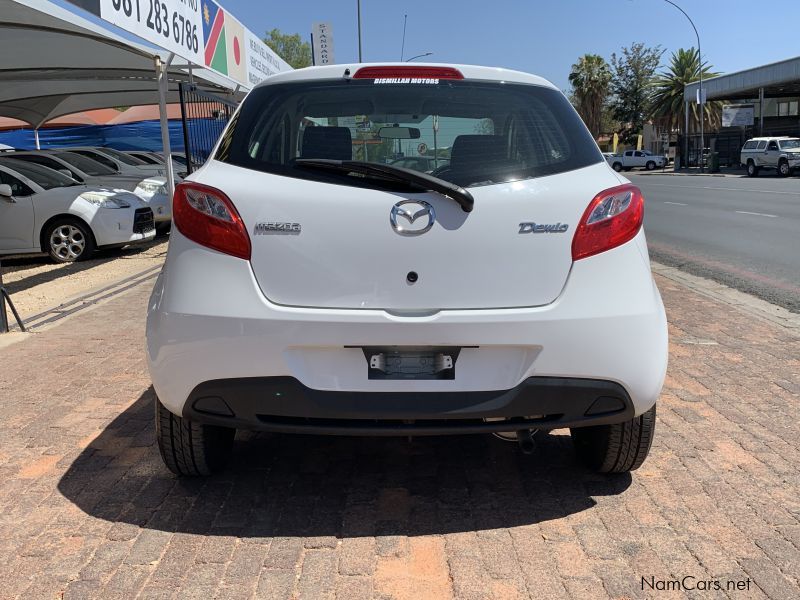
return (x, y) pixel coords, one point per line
(668, 106)
(590, 78)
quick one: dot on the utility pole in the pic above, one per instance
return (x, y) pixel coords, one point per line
(360, 59)
(403, 46)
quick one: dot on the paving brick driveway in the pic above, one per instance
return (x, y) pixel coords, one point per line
(87, 509)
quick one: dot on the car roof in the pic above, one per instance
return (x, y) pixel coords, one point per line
(773, 137)
(329, 72)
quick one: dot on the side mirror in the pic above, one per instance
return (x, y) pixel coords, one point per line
(66, 172)
(6, 192)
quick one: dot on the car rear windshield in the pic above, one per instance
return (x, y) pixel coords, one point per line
(123, 158)
(468, 132)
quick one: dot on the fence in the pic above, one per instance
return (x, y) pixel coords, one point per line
(204, 118)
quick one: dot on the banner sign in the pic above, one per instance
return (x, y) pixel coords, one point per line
(200, 31)
(322, 43)
(740, 115)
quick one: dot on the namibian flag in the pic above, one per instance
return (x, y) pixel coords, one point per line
(224, 36)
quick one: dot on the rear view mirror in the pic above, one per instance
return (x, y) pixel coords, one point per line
(5, 190)
(398, 133)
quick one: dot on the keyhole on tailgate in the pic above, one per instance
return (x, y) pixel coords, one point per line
(412, 277)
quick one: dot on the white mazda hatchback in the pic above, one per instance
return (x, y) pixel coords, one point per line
(314, 286)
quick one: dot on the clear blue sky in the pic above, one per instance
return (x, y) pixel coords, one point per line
(542, 37)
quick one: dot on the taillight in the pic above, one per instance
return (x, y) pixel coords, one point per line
(207, 216)
(612, 218)
(411, 71)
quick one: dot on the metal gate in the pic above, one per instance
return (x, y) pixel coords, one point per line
(204, 117)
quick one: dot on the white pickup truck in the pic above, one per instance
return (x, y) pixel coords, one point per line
(635, 158)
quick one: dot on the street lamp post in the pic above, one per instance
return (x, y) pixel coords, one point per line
(702, 99)
(419, 56)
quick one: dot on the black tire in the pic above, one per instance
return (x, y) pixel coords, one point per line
(75, 237)
(616, 448)
(784, 170)
(163, 229)
(650, 165)
(752, 169)
(191, 449)
(617, 167)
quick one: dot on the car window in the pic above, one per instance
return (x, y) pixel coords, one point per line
(103, 160)
(629, 153)
(489, 132)
(18, 187)
(47, 161)
(640, 154)
(42, 176)
(123, 158)
(790, 144)
(773, 145)
(85, 164)
(146, 159)
(762, 144)
(750, 145)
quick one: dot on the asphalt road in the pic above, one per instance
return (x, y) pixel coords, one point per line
(742, 232)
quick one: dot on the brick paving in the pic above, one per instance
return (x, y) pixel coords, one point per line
(87, 510)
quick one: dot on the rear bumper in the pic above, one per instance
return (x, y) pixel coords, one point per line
(283, 404)
(209, 321)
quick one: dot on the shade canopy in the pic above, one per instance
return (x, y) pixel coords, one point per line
(54, 62)
(779, 79)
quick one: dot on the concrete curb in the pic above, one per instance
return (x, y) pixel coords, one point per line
(673, 174)
(743, 302)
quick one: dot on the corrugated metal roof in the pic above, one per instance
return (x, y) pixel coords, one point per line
(750, 80)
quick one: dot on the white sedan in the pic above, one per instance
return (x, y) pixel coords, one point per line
(42, 210)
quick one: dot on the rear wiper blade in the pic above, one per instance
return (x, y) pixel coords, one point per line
(429, 182)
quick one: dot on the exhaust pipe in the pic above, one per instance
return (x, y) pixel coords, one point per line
(525, 440)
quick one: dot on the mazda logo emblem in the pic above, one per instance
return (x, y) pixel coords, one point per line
(415, 213)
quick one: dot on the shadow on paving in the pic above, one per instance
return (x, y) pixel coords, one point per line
(286, 485)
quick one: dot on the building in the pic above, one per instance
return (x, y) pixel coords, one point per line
(773, 93)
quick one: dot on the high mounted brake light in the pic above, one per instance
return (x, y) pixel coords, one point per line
(612, 218)
(410, 71)
(207, 216)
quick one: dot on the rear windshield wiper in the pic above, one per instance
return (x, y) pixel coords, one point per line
(390, 172)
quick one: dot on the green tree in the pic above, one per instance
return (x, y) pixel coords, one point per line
(668, 107)
(290, 48)
(633, 72)
(590, 79)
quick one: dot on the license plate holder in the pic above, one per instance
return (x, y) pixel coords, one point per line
(411, 363)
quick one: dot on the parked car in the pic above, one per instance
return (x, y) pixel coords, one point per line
(510, 293)
(780, 153)
(426, 164)
(42, 210)
(85, 170)
(631, 159)
(119, 161)
(157, 158)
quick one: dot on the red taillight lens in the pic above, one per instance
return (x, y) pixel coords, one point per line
(612, 218)
(207, 216)
(412, 71)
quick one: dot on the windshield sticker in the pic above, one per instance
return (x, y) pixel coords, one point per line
(411, 80)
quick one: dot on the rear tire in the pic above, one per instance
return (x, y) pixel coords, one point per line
(190, 449)
(752, 169)
(617, 448)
